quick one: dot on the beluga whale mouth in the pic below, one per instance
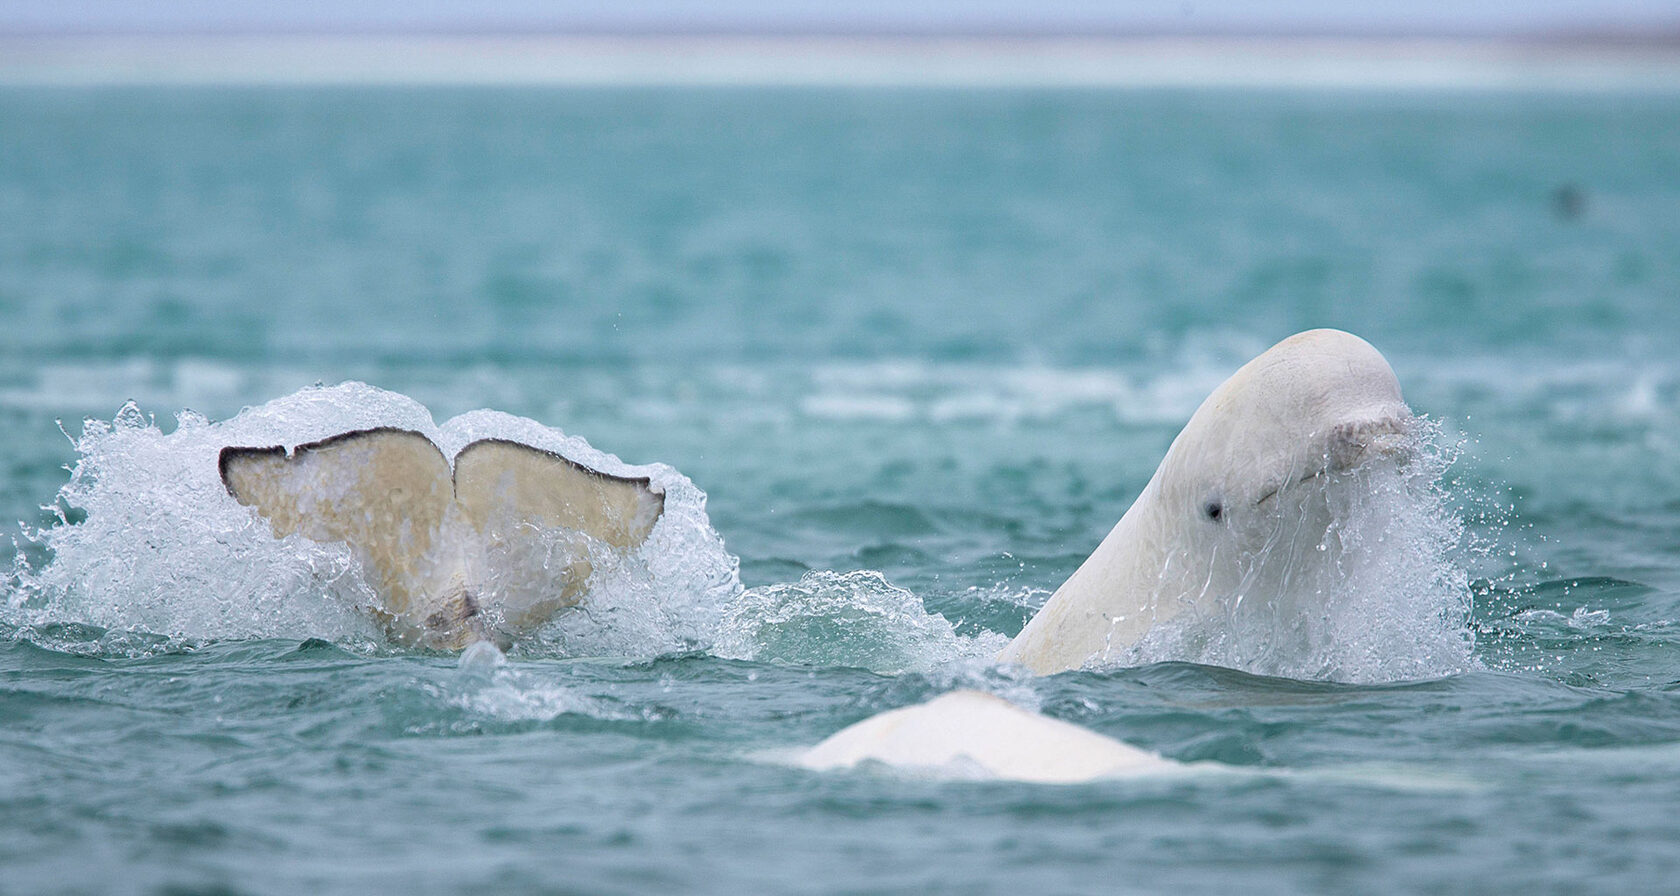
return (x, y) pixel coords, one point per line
(1267, 501)
(484, 549)
(1350, 444)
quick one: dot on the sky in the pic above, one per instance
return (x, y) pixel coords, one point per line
(1336, 16)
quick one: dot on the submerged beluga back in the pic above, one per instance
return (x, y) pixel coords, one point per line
(484, 550)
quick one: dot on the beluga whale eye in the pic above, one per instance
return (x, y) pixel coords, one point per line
(1213, 509)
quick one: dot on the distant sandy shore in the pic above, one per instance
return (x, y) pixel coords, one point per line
(1353, 63)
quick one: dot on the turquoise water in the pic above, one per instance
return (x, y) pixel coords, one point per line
(916, 351)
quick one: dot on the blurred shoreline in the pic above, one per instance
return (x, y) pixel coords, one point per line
(1550, 62)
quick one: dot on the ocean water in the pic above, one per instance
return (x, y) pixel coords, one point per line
(901, 358)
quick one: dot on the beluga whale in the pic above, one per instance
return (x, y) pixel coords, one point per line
(484, 549)
(971, 734)
(1238, 509)
(1241, 509)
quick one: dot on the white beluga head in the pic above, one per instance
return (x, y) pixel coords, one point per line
(1244, 507)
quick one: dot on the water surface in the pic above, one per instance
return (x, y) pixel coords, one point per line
(916, 351)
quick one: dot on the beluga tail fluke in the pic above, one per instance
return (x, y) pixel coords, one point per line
(484, 550)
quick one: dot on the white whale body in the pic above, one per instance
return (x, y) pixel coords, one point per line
(1224, 518)
(976, 735)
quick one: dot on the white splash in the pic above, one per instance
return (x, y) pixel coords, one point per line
(489, 688)
(844, 619)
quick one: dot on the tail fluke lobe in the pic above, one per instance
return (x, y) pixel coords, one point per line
(384, 492)
(529, 507)
(500, 483)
